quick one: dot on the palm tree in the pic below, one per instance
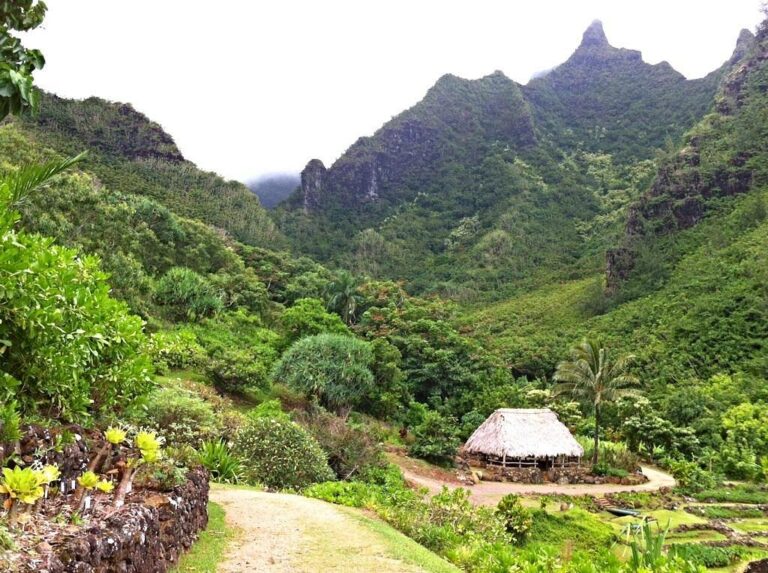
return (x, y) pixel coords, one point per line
(592, 378)
(343, 295)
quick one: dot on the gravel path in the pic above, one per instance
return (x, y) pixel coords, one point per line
(489, 493)
(289, 533)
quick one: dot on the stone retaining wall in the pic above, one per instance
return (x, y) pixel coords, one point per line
(757, 567)
(146, 535)
(141, 537)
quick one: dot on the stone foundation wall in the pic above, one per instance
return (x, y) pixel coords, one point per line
(533, 475)
(49, 447)
(757, 567)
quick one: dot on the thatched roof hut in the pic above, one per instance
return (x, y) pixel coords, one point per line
(531, 434)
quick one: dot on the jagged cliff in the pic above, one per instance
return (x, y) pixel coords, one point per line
(609, 100)
(456, 121)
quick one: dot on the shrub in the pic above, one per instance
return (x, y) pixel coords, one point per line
(308, 317)
(709, 557)
(224, 466)
(725, 512)
(186, 295)
(577, 526)
(332, 368)
(68, 348)
(517, 520)
(347, 493)
(435, 438)
(241, 350)
(739, 494)
(351, 452)
(454, 510)
(691, 477)
(235, 370)
(179, 415)
(269, 409)
(177, 350)
(281, 454)
(603, 469)
(612, 455)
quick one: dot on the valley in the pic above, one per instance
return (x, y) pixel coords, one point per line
(575, 268)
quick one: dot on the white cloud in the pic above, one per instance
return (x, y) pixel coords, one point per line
(252, 87)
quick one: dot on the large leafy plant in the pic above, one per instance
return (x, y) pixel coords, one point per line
(67, 347)
(25, 485)
(18, 63)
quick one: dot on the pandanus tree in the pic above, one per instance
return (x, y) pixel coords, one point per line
(593, 378)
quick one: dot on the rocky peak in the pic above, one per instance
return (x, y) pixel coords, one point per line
(744, 45)
(312, 184)
(594, 36)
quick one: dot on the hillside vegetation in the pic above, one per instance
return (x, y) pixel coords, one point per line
(486, 187)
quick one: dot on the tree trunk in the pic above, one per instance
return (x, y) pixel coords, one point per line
(597, 435)
(94, 466)
(122, 489)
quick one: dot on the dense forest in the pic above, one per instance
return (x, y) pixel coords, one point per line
(473, 254)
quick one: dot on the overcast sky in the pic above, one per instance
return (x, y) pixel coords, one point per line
(253, 87)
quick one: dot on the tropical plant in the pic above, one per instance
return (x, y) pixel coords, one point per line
(343, 295)
(24, 485)
(217, 458)
(647, 548)
(591, 378)
(88, 481)
(149, 445)
(17, 92)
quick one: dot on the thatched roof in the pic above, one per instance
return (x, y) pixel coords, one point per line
(533, 433)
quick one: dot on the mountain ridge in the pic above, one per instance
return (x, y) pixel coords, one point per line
(435, 167)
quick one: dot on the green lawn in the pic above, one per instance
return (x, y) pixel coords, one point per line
(207, 552)
(401, 547)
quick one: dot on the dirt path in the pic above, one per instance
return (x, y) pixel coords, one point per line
(289, 533)
(489, 493)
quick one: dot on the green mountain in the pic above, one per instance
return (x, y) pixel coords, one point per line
(487, 187)
(688, 279)
(133, 155)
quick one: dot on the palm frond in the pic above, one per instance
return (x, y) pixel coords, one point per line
(32, 177)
